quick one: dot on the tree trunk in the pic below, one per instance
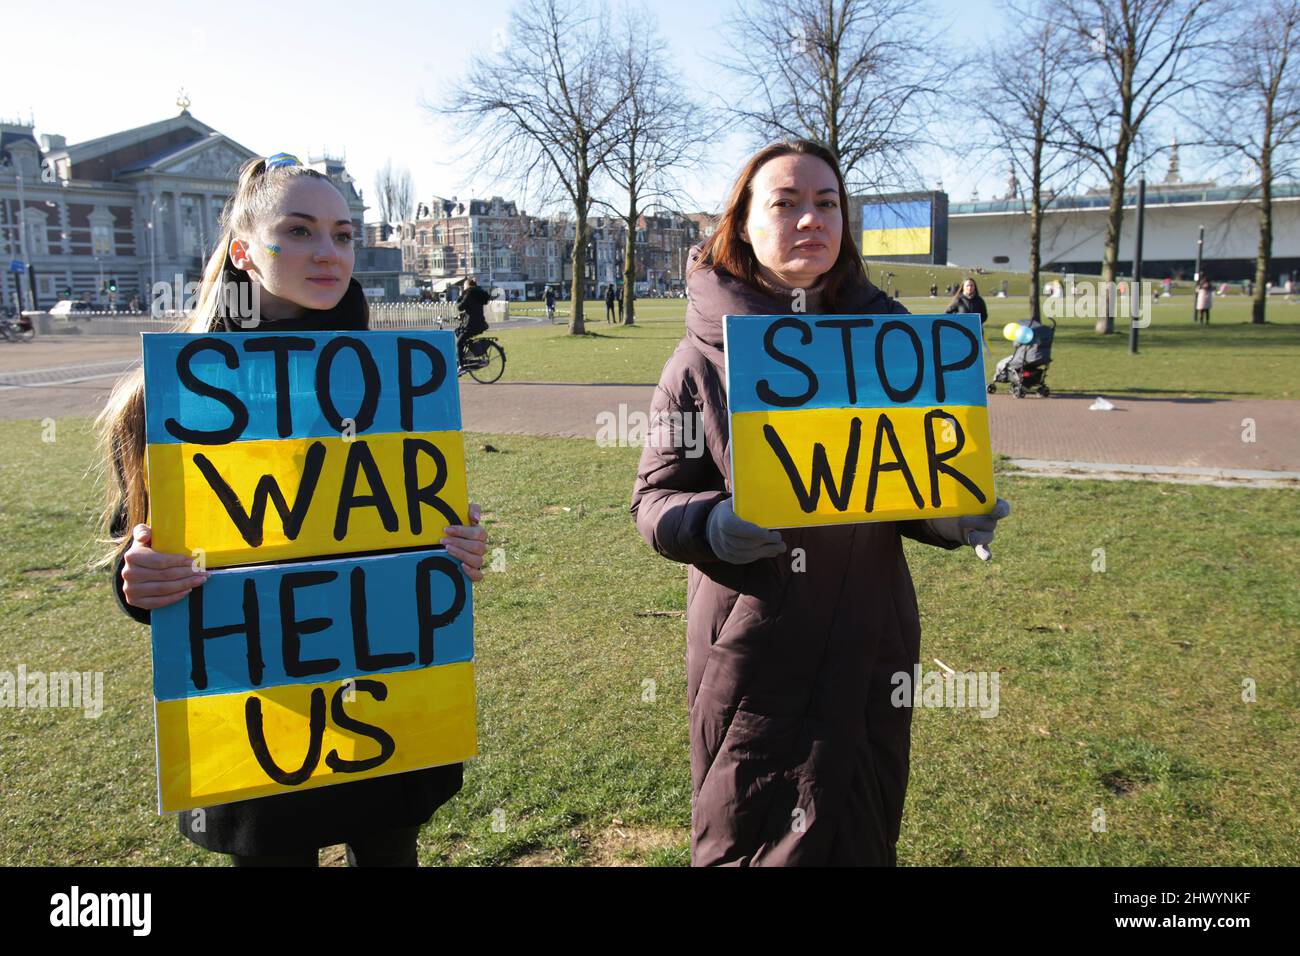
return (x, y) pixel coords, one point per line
(1035, 255)
(629, 268)
(1110, 252)
(1115, 213)
(629, 245)
(1257, 307)
(578, 286)
(1036, 227)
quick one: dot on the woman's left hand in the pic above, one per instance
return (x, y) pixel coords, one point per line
(467, 543)
(975, 530)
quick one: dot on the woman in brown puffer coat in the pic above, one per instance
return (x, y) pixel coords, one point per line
(797, 755)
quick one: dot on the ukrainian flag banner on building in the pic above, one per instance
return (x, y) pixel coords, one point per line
(901, 228)
(839, 419)
(334, 643)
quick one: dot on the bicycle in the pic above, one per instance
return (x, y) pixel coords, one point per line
(482, 358)
(19, 330)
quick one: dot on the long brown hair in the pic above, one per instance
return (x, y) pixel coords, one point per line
(961, 290)
(120, 426)
(725, 249)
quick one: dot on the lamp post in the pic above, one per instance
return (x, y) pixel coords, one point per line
(153, 249)
(22, 235)
(1196, 276)
(1134, 296)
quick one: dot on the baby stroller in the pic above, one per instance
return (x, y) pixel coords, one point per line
(1026, 367)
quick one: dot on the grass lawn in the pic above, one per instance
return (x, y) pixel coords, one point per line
(1120, 690)
(1229, 358)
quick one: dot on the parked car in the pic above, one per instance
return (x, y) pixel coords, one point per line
(66, 307)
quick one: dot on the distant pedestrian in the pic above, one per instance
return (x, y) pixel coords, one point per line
(550, 304)
(609, 303)
(968, 299)
(618, 298)
(1204, 300)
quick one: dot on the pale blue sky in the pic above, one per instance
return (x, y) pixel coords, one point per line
(348, 76)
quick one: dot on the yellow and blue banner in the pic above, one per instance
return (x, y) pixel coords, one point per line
(840, 419)
(267, 447)
(897, 228)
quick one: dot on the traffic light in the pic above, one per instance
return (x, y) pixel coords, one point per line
(112, 284)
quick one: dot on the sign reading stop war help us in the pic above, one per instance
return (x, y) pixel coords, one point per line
(840, 419)
(317, 669)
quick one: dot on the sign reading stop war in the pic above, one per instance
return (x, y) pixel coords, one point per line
(842, 418)
(266, 447)
(310, 671)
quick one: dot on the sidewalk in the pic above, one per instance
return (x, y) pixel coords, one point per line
(1204, 433)
(63, 379)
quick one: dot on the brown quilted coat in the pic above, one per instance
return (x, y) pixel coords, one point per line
(797, 755)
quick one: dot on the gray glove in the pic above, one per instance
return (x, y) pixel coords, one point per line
(974, 530)
(738, 541)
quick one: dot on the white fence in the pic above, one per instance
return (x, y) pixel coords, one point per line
(383, 315)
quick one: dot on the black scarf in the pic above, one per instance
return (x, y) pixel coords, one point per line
(352, 314)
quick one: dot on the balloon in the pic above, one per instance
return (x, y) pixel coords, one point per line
(1024, 335)
(1009, 331)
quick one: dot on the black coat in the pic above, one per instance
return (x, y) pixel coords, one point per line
(970, 304)
(292, 822)
(471, 303)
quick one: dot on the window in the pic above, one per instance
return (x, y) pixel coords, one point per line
(191, 243)
(38, 238)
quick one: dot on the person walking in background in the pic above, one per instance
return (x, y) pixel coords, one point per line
(550, 304)
(609, 303)
(618, 299)
(968, 299)
(1204, 300)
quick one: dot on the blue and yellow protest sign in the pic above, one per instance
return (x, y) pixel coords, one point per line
(266, 447)
(839, 419)
(274, 677)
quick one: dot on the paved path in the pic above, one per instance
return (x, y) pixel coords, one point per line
(72, 377)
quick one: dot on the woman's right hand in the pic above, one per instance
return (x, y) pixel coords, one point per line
(152, 579)
(737, 541)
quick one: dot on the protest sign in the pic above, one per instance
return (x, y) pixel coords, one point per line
(264, 447)
(843, 419)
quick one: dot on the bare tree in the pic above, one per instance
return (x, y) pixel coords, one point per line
(1142, 55)
(396, 192)
(864, 77)
(1023, 101)
(543, 106)
(657, 132)
(1251, 111)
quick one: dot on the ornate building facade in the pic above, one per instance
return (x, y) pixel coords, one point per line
(126, 210)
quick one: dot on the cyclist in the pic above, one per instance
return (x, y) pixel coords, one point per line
(470, 308)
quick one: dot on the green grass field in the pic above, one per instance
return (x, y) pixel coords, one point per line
(1120, 690)
(1229, 358)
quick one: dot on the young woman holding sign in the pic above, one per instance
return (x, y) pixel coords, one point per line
(797, 755)
(288, 230)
